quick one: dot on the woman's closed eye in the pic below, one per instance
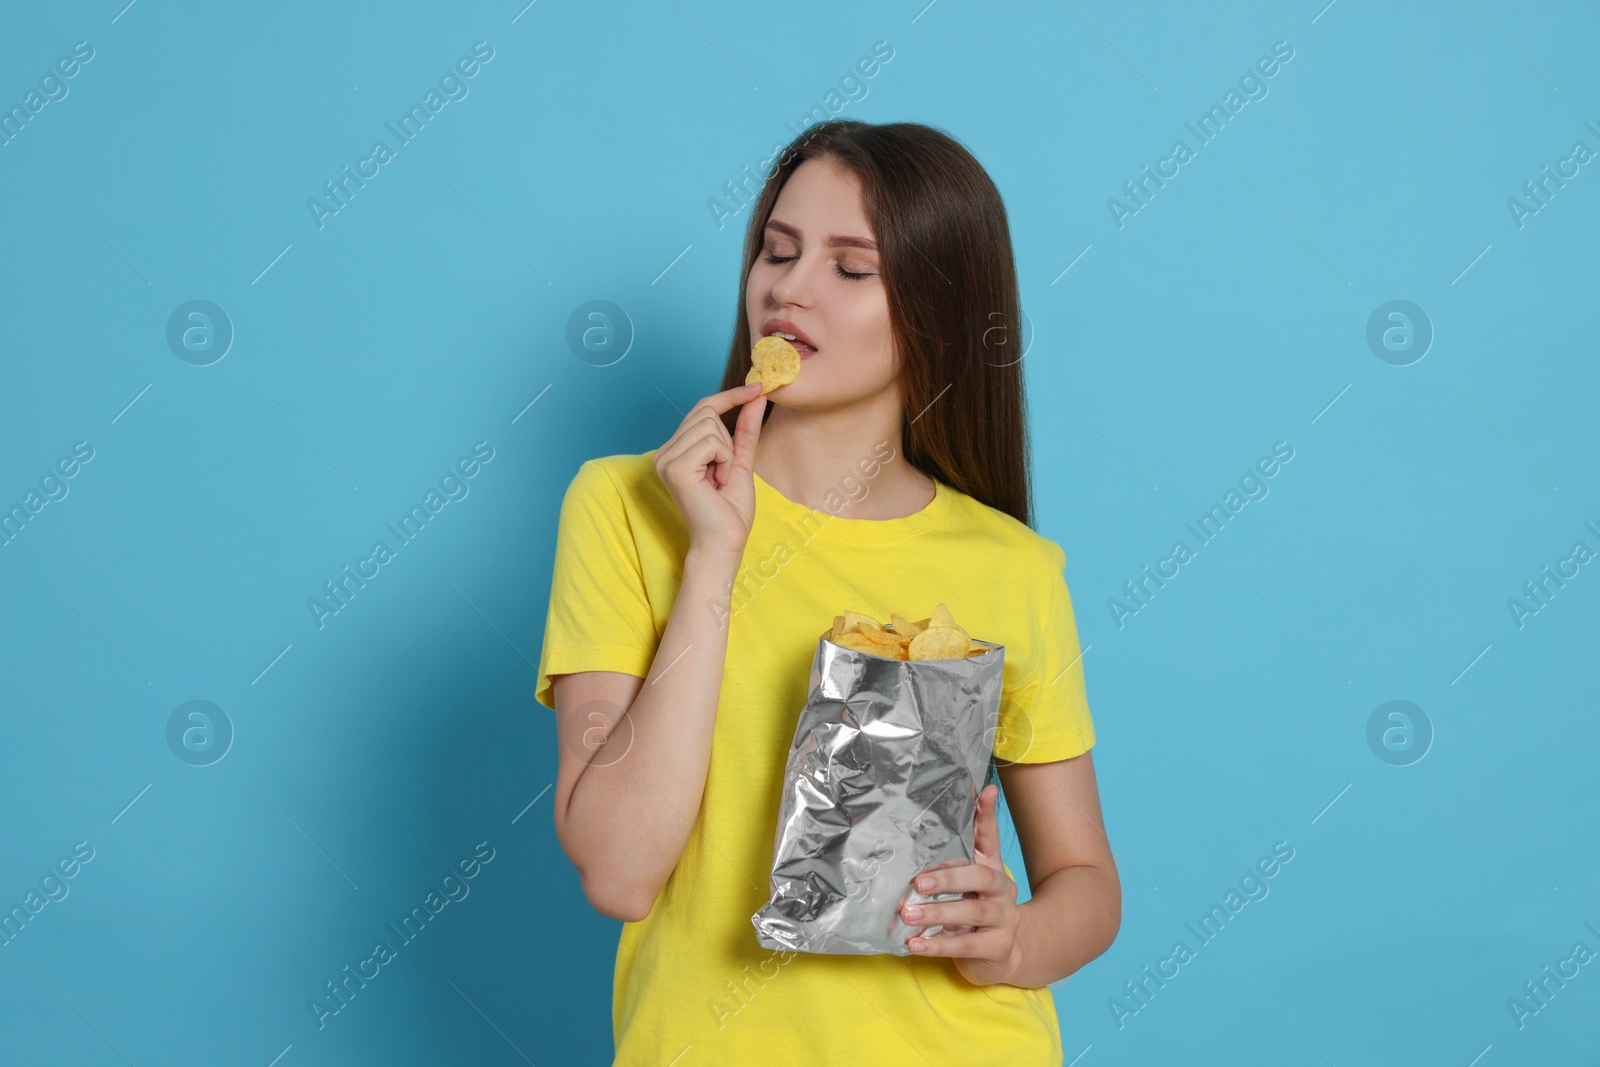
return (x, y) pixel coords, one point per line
(853, 276)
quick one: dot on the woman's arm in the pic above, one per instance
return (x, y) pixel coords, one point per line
(1076, 907)
(634, 751)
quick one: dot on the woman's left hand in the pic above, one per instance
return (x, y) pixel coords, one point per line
(980, 930)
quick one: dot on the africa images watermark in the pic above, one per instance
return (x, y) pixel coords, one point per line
(412, 122)
(452, 484)
(1538, 994)
(752, 578)
(854, 89)
(1253, 485)
(1538, 592)
(1252, 888)
(53, 487)
(337, 997)
(1140, 191)
(735, 998)
(53, 89)
(1538, 193)
(53, 889)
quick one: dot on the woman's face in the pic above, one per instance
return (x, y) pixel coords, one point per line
(827, 284)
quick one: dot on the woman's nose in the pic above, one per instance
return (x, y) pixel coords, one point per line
(795, 285)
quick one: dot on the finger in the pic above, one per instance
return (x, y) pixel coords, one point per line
(699, 451)
(706, 425)
(717, 403)
(973, 877)
(688, 436)
(986, 835)
(950, 931)
(746, 431)
(982, 944)
(977, 913)
(712, 426)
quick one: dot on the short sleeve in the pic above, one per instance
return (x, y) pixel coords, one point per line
(599, 617)
(1046, 716)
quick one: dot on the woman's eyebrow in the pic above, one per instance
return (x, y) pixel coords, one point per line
(829, 242)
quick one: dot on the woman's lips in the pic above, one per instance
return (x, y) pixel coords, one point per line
(806, 351)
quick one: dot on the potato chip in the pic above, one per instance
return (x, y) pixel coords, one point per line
(939, 642)
(855, 622)
(881, 636)
(936, 637)
(859, 643)
(905, 628)
(941, 618)
(773, 362)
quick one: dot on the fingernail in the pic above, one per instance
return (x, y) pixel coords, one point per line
(925, 883)
(912, 912)
(917, 944)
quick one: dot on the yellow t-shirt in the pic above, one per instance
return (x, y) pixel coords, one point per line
(693, 986)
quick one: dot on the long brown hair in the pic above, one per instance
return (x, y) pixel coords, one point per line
(947, 266)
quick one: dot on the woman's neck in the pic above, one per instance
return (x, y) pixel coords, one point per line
(849, 460)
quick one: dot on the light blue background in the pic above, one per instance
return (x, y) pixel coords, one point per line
(1228, 314)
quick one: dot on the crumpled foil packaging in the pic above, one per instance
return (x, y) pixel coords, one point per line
(882, 783)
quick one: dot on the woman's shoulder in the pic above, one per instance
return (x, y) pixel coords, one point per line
(622, 468)
(1018, 542)
(622, 478)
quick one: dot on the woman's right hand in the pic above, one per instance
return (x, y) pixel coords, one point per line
(710, 476)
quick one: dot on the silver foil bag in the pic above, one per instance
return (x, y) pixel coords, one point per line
(881, 784)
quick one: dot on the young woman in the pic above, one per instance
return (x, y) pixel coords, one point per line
(691, 583)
